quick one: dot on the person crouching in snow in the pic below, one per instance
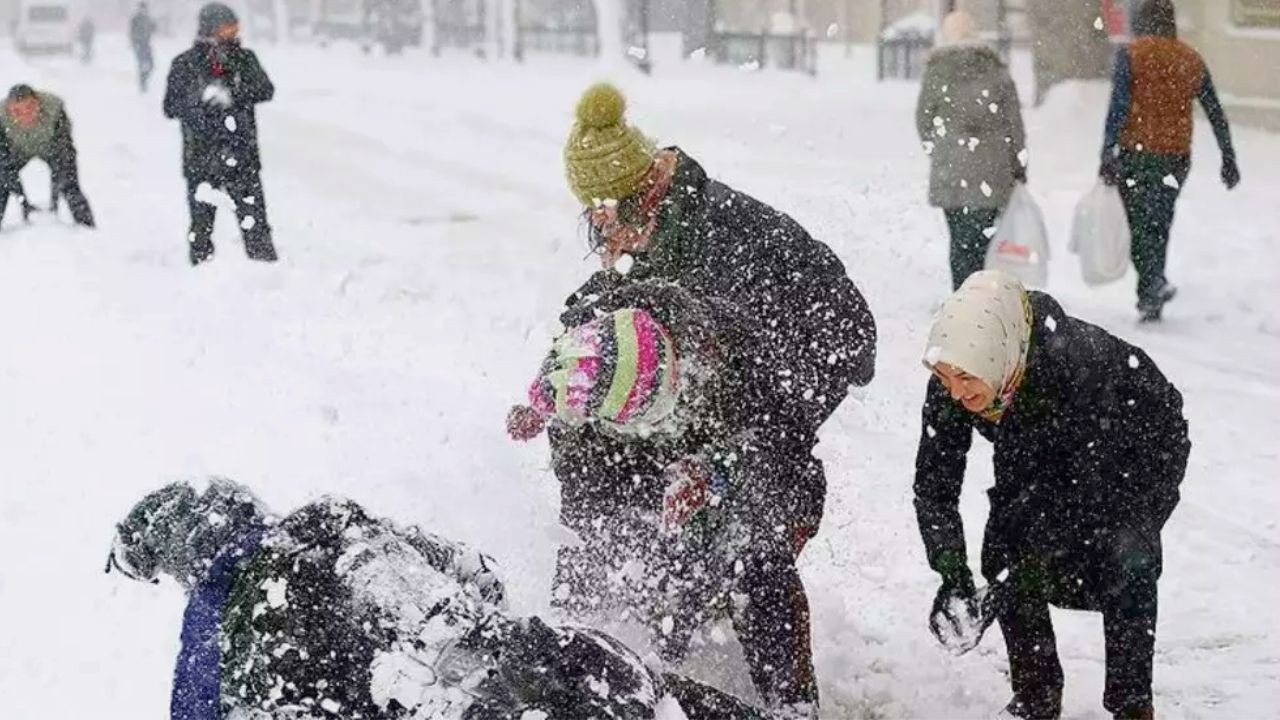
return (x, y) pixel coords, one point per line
(35, 125)
(1090, 449)
(332, 613)
(213, 89)
(674, 454)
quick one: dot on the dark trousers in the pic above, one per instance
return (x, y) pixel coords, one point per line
(65, 184)
(971, 233)
(146, 64)
(1150, 185)
(245, 191)
(1117, 575)
(774, 630)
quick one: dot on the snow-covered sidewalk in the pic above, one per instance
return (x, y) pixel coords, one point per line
(428, 239)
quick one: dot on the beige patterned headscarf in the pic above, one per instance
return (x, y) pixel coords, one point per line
(984, 329)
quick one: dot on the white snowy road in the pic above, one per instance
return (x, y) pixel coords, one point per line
(427, 241)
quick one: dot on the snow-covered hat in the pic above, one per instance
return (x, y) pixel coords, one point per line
(621, 368)
(213, 16)
(178, 530)
(605, 158)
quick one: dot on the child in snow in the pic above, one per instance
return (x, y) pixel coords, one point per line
(332, 613)
(967, 95)
(1090, 449)
(213, 89)
(1147, 150)
(673, 448)
(35, 125)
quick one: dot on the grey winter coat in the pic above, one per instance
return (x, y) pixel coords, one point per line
(970, 119)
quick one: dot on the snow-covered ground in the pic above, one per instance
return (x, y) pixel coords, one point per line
(428, 238)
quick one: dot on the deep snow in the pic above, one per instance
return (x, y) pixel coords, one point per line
(428, 238)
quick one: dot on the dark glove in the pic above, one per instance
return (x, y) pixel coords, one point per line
(1230, 173)
(1019, 172)
(961, 614)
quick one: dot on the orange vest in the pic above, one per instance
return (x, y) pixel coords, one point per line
(1166, 79)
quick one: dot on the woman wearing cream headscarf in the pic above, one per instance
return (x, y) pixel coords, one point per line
(970, 121)
(1090, 448)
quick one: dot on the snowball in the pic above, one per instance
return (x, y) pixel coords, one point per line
(276, 592)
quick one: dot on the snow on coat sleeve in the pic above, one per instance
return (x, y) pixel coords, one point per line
(945, 438)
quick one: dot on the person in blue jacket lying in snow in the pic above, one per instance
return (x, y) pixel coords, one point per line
(332, 613)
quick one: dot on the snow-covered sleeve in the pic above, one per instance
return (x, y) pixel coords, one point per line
(945, 438)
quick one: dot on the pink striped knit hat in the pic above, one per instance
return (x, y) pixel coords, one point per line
(621, 368)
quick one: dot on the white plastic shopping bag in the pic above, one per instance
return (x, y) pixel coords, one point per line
(1100, 235)
(1020, 245)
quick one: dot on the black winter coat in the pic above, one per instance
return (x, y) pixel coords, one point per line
(1095, 440)
(217, 141)
(735, 416)
(716, 242)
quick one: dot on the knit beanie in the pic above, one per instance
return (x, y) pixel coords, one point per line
(213, 16)
(621, 368)
(983, 329)
(605, 158)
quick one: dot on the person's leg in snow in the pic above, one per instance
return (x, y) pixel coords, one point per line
(971, 231)
(1034, 669)
(251, 211)
(200, 236)
(1129, 602)
(773, 627)
(1150, 185)
(65, 180)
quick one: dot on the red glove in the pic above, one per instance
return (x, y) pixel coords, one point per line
(688, 492)
(524, 423)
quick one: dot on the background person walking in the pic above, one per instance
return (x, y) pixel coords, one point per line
(1147, 150)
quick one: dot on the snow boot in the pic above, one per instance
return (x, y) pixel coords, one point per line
(1017, 709)
(1151, 309)
(200, 252)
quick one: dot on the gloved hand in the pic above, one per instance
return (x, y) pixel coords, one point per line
(216, 94)
(525, 423)
(1230, 173)
(961, 614)
(688, 492)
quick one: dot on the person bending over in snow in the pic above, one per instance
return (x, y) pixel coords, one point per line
(674, 452)
(213, 88)
(36, 125)
(1090, 449)
(332, 613)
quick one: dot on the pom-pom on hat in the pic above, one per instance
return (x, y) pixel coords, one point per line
(605, 158)
(621, 368)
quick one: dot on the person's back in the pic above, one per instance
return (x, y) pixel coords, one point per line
(141, 28)
(1167, 78)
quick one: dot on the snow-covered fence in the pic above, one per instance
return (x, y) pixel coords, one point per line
(459, 24)
(784, 51)
(902, 56)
